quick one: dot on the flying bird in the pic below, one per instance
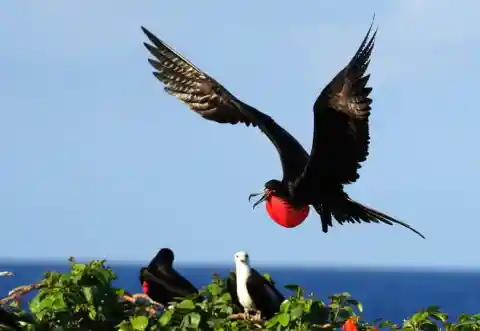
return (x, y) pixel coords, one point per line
(161, 282)
(251, 290)
(340, 140)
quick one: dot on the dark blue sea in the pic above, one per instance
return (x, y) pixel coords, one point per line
(391, 294)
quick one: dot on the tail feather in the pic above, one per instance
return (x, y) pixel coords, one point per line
(361, 213)
(355, 212)
(325, 216)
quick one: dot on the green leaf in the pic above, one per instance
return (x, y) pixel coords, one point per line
(78, 270)
(272, 322)
(92, 313)
(87, 292)
(195, 319)
(433, 309)
(475, 316)
(387, 324)
(186, 304)
(139, 323)
(226, 297)
(296, 312)
(165, 317)
(419, 317)
(102, 275)
(285, 306)
(355, 303)
(443, 317)
(292, 287)
(35, 304)
(58, 302)
(283, 319)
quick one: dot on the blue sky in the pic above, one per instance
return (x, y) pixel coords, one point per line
(97, 161)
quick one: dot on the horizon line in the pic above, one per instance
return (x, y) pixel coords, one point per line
(222, 264)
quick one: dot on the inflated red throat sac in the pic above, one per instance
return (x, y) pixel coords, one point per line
(284, 213)
(145, 287)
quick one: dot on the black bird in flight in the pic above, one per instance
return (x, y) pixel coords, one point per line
(340, 140)
(252, 291)
(161, 282)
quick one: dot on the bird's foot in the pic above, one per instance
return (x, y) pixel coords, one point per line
(257, 316)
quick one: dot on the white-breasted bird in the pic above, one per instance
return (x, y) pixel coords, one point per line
(252, 291)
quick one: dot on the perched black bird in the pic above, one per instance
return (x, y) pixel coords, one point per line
(161, 282)
(8, 319)
(340, 141)
(251, 290)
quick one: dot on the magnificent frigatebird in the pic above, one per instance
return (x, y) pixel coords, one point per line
(161, 282)
(251, 290)
(340, 140)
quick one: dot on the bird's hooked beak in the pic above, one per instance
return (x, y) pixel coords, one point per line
(266, 194)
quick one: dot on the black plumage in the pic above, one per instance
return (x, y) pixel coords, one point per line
(164, 283)
(340, 141)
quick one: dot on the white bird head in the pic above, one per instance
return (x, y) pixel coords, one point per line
(242, 258)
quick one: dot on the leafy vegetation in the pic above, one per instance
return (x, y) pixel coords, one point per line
(85, 299)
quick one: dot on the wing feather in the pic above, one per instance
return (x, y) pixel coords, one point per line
(182, 79)
(232, 289)
(171, 280)
(341, 129)
(208, 98)
(257, 286)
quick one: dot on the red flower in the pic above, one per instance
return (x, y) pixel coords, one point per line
(350, 325)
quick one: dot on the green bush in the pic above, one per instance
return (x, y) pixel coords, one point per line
(84, 299)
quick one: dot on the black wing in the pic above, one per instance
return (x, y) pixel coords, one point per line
(171, 280)
(208, 98)
(232, 289)
(258, 286)
(341, 115)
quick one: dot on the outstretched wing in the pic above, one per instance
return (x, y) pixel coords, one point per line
(341, 115)
(208, 98)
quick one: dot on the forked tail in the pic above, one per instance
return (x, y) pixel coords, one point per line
(355, 212)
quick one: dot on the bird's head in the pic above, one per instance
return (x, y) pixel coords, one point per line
(164, 257)
(241, 258)
(141, 277)
(272, 187)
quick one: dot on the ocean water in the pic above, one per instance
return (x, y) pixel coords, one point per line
(390, 294)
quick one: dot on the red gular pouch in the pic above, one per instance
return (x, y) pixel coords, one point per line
(284, 214)
(145, 288)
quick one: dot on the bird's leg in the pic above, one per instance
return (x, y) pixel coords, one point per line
(256, 317)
